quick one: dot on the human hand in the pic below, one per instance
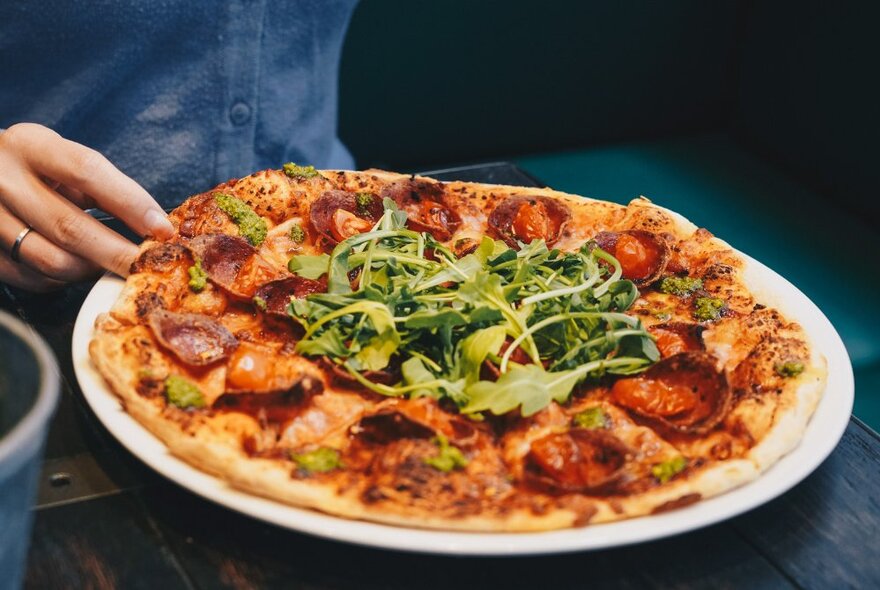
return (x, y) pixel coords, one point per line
(45, 183)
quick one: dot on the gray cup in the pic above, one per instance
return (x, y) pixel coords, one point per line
(29, 388)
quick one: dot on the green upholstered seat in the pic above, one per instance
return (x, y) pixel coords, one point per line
(819, 247)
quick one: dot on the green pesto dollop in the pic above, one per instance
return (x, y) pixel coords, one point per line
(448, 457)
(668, 469)
(789, 368)
(259, 302)
(363, 202)
(592, 418)
(183, 393)
(681, 286)
(297, 233)
(320, 460)
(708, 308)
(251, 226)
(294, 171)
(198, 278)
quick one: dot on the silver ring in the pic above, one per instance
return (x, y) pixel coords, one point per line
(16, 246)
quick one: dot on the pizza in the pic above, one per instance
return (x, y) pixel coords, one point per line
(454, 355)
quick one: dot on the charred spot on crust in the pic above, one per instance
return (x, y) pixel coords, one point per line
(685, 500)
(146, 302)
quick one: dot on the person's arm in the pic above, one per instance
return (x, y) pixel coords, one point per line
(45, 183)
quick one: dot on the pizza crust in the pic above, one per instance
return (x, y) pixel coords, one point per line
(193, 439)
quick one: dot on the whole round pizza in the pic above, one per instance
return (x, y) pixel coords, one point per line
(454, 355)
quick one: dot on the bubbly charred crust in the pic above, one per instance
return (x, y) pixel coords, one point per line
(695, 370)
(502, 217)
(322, 210)
(758, 373)
(654, 245)
(681, 502)
(161, 258)
(578, 461)
(147, 302)
(277, 294)
(201, 215)
(425, 204)
(195, 339)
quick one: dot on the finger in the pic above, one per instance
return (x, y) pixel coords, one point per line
(77, 197)
(41, 255)
(66, 226)
(22, 277)
(87, 171)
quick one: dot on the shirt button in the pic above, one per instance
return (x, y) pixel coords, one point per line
(240, 113)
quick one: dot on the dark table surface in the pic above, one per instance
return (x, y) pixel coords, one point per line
(104, 520)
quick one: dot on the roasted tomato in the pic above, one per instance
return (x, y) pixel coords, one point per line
(642, 255)
(676, 337)
(337, 215)
(684, 392)
(523, 219)
(250, 368)
(346, 224)
(580, 460)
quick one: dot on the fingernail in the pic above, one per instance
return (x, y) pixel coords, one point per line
(158, 224)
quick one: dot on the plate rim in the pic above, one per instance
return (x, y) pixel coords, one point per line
(822, 434)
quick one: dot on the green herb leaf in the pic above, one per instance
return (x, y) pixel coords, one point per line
(183, 393)
(297, 233)
(448, 458)
(708, 308)
(198, 278)
(294, 171)
(789, 368)
(666, 470)
(320, 460)
(528, 387)
(251, 226)
(681, 286)
(592, 418)
(309, 266)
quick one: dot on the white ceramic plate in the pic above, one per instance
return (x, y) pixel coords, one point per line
(824, 431)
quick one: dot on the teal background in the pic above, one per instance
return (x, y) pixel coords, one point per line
(754, 119)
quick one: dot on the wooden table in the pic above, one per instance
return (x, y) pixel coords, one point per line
(104, 520)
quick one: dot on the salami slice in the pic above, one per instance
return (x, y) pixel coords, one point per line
(525, 218)
(643, 255)
(684, 392)
(195, 339)
(337, 215)
(425, 207)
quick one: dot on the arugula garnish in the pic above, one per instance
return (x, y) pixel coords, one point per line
(546, 320)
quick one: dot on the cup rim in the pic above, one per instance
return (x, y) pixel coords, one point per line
(28, 428)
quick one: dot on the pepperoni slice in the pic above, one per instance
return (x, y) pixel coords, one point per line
(424, 204)
(642, 255)
(388, 426)
(161, 258)
(195, 339)
(579, 460)
(676, 337)
(335, 227)
(232, 263)
(524, 218)
(277, 294)
(277, 406)
(684, 392)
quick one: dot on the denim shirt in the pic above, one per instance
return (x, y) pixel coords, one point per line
(179, 94)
